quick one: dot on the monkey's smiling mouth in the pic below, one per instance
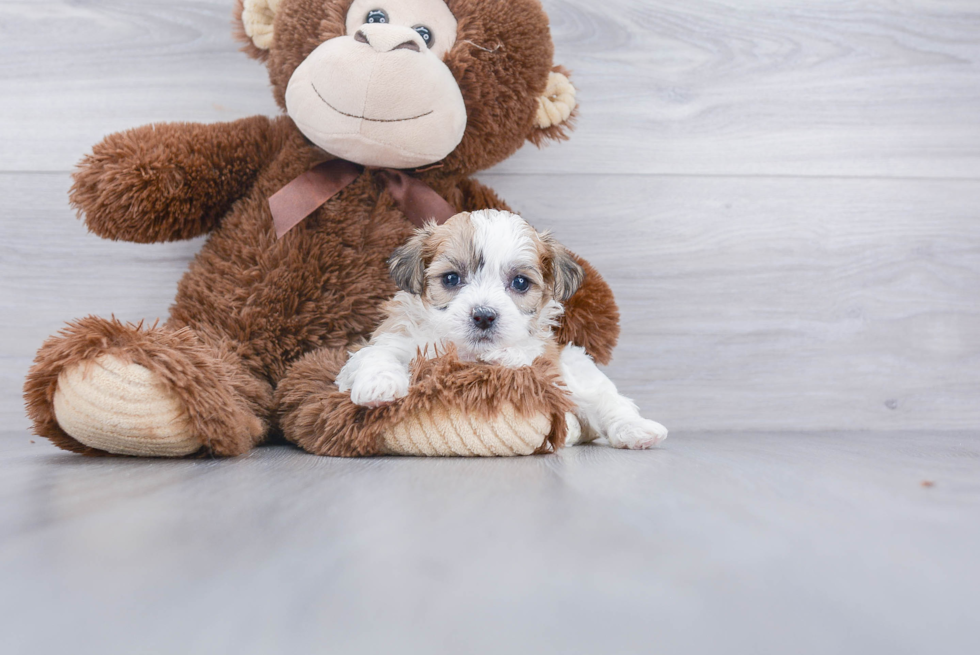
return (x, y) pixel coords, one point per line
(373, 120)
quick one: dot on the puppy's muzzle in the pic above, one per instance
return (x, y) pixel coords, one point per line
(484, 318)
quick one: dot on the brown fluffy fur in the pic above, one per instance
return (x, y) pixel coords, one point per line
(591, 318)
(255, 313)
(335, 426)
(228, 408)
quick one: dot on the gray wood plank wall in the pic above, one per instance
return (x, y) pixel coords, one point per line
(784, 195)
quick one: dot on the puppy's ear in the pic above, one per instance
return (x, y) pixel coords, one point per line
(567, 274)
(407, 263)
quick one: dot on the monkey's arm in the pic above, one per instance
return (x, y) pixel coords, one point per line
(169, 181)
(591, 318)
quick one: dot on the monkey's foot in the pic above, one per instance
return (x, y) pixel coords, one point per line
(101, 386)
(122, 408)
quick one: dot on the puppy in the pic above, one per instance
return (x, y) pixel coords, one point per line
(487, 283)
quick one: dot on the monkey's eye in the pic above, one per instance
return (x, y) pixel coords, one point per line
(376, 16)
(426, 35)
(451, 279)
(520, 284)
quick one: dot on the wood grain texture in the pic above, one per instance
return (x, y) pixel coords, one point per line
(715, 543)
(755, 303)
(767, 87)
(772, 87)
(71, 73)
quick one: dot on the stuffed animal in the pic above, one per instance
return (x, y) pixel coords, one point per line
(390, 106)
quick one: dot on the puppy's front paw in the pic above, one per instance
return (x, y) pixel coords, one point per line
(514, 357)
(637, 434)
(379, 388)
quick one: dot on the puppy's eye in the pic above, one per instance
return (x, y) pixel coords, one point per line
(426, 35)
(520, 284)
(451, 279)
(376, 16)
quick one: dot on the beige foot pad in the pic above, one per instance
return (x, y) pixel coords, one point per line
(445, 432)
(122, 408)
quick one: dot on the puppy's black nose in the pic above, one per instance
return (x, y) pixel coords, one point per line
(484, 317)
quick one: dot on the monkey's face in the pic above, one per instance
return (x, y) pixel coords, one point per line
(381, 95)
(410, 83)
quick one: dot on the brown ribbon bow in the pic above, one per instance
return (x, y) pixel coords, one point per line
(307, 193)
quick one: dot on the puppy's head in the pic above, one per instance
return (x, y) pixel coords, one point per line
(487, 277)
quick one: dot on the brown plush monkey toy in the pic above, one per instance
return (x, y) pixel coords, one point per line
(390, 107)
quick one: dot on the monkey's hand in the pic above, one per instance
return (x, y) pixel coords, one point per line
(169, 181)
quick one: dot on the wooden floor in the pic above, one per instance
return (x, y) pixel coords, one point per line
(737, 543)
(785, 197)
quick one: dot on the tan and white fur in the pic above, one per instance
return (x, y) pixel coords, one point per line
(490, 285)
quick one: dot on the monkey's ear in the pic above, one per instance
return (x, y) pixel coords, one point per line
(407, 263)
(567, 274)
(556, 109)
(255, 19)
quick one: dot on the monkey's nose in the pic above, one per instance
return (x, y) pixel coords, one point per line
(484, 317)
(385, 38)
